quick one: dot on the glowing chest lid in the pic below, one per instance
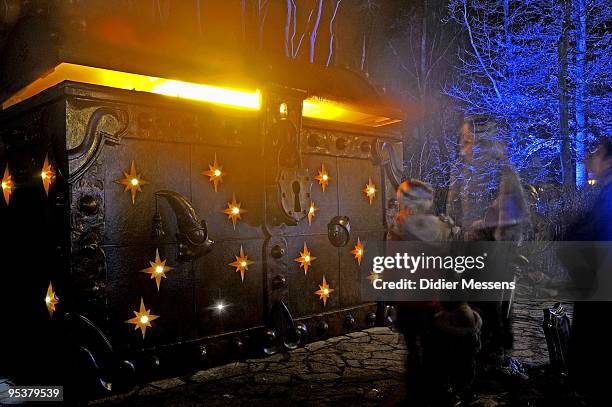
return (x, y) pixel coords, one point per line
(42, 52)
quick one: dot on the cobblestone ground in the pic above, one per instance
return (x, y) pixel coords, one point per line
(362, 368)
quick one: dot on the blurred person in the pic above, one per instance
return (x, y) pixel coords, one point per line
(504, 221)
(442, 338)
(591, 335)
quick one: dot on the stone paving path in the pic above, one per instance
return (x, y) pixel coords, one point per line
(361, 367)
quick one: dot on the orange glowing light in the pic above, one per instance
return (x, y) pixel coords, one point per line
(158, 269)
(323, 177)
(325, 109)
(51, 299)
(47, 175)
(241, 263)
(370, 190)
(324, 291)
(313, 107)
(7, 185)
(305, 259)
(374, 276)
(283, 110)
(358, 251)
(215, 173)
(234, 211)
(142, 319)
(235, 98)
(311, 212)
(132, 181)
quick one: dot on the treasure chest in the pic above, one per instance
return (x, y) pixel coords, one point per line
(170, 211)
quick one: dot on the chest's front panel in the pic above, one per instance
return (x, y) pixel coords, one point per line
(249, 223)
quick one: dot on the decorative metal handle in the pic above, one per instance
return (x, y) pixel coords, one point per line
(192, 235)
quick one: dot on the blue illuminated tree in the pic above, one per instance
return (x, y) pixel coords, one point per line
(530, 64)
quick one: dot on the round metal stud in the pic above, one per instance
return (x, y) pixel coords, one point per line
(203, 353)
(238, 345)
(145, 121)
(279, 282)
(89, 205)
(349, 321)
(302, 331)
(366, 147)
(270, 346)
(339, 231)
(154, 362)
(371, 319)
(299, 337)
(321, 328)
(390, 314)
(314, 140)
(277, 251)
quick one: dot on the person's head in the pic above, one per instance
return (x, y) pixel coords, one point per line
(601, 161)
(415, 196)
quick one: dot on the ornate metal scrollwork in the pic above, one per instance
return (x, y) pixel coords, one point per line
(192, 235)
(287, 182)
(289, 195)
(87, 152)
(393, 169)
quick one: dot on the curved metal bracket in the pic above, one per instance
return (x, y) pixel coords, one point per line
(284, 326)
(93, 347)
(192, 235)
(90, 148)
(389, 162)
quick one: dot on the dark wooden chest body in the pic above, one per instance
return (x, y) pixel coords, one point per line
(91, 241)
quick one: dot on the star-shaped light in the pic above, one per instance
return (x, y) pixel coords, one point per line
(233, 210)
(370, 190)
(51, 299)
(358, 251)
(47, 174)
(305, 259)
(323, 177)
(242, 263)
(311, 212)
(7, 185)
(374, 276)
(132, 181)
(324, 291)
(215, 173)
(158, 269)
(142, 318)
